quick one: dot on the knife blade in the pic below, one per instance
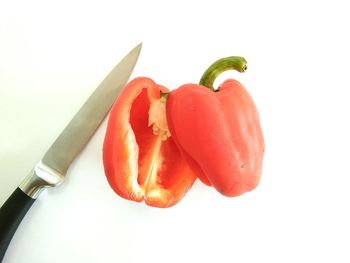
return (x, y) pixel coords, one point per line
(51, 170)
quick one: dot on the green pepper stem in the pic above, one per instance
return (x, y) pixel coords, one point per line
(164, 95)
(219, 66)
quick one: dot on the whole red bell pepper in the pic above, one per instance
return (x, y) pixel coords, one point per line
(141, 160)
(218, 131)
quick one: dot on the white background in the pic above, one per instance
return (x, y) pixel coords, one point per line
(54, 54)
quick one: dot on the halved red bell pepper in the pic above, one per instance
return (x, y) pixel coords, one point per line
(141, 160)
(218, 131)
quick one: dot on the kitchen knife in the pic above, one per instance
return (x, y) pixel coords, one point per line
(52, 168)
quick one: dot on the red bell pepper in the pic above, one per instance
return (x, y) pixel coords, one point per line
(157, 142)
(141, 160)
(218, 131)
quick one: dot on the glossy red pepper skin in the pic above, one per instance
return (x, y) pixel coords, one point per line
(219, 135)
(139, 164)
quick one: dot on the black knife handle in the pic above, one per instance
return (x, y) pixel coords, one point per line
(11, 215)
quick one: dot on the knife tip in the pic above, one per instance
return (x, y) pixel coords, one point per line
(139, 46)
(137, 49)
